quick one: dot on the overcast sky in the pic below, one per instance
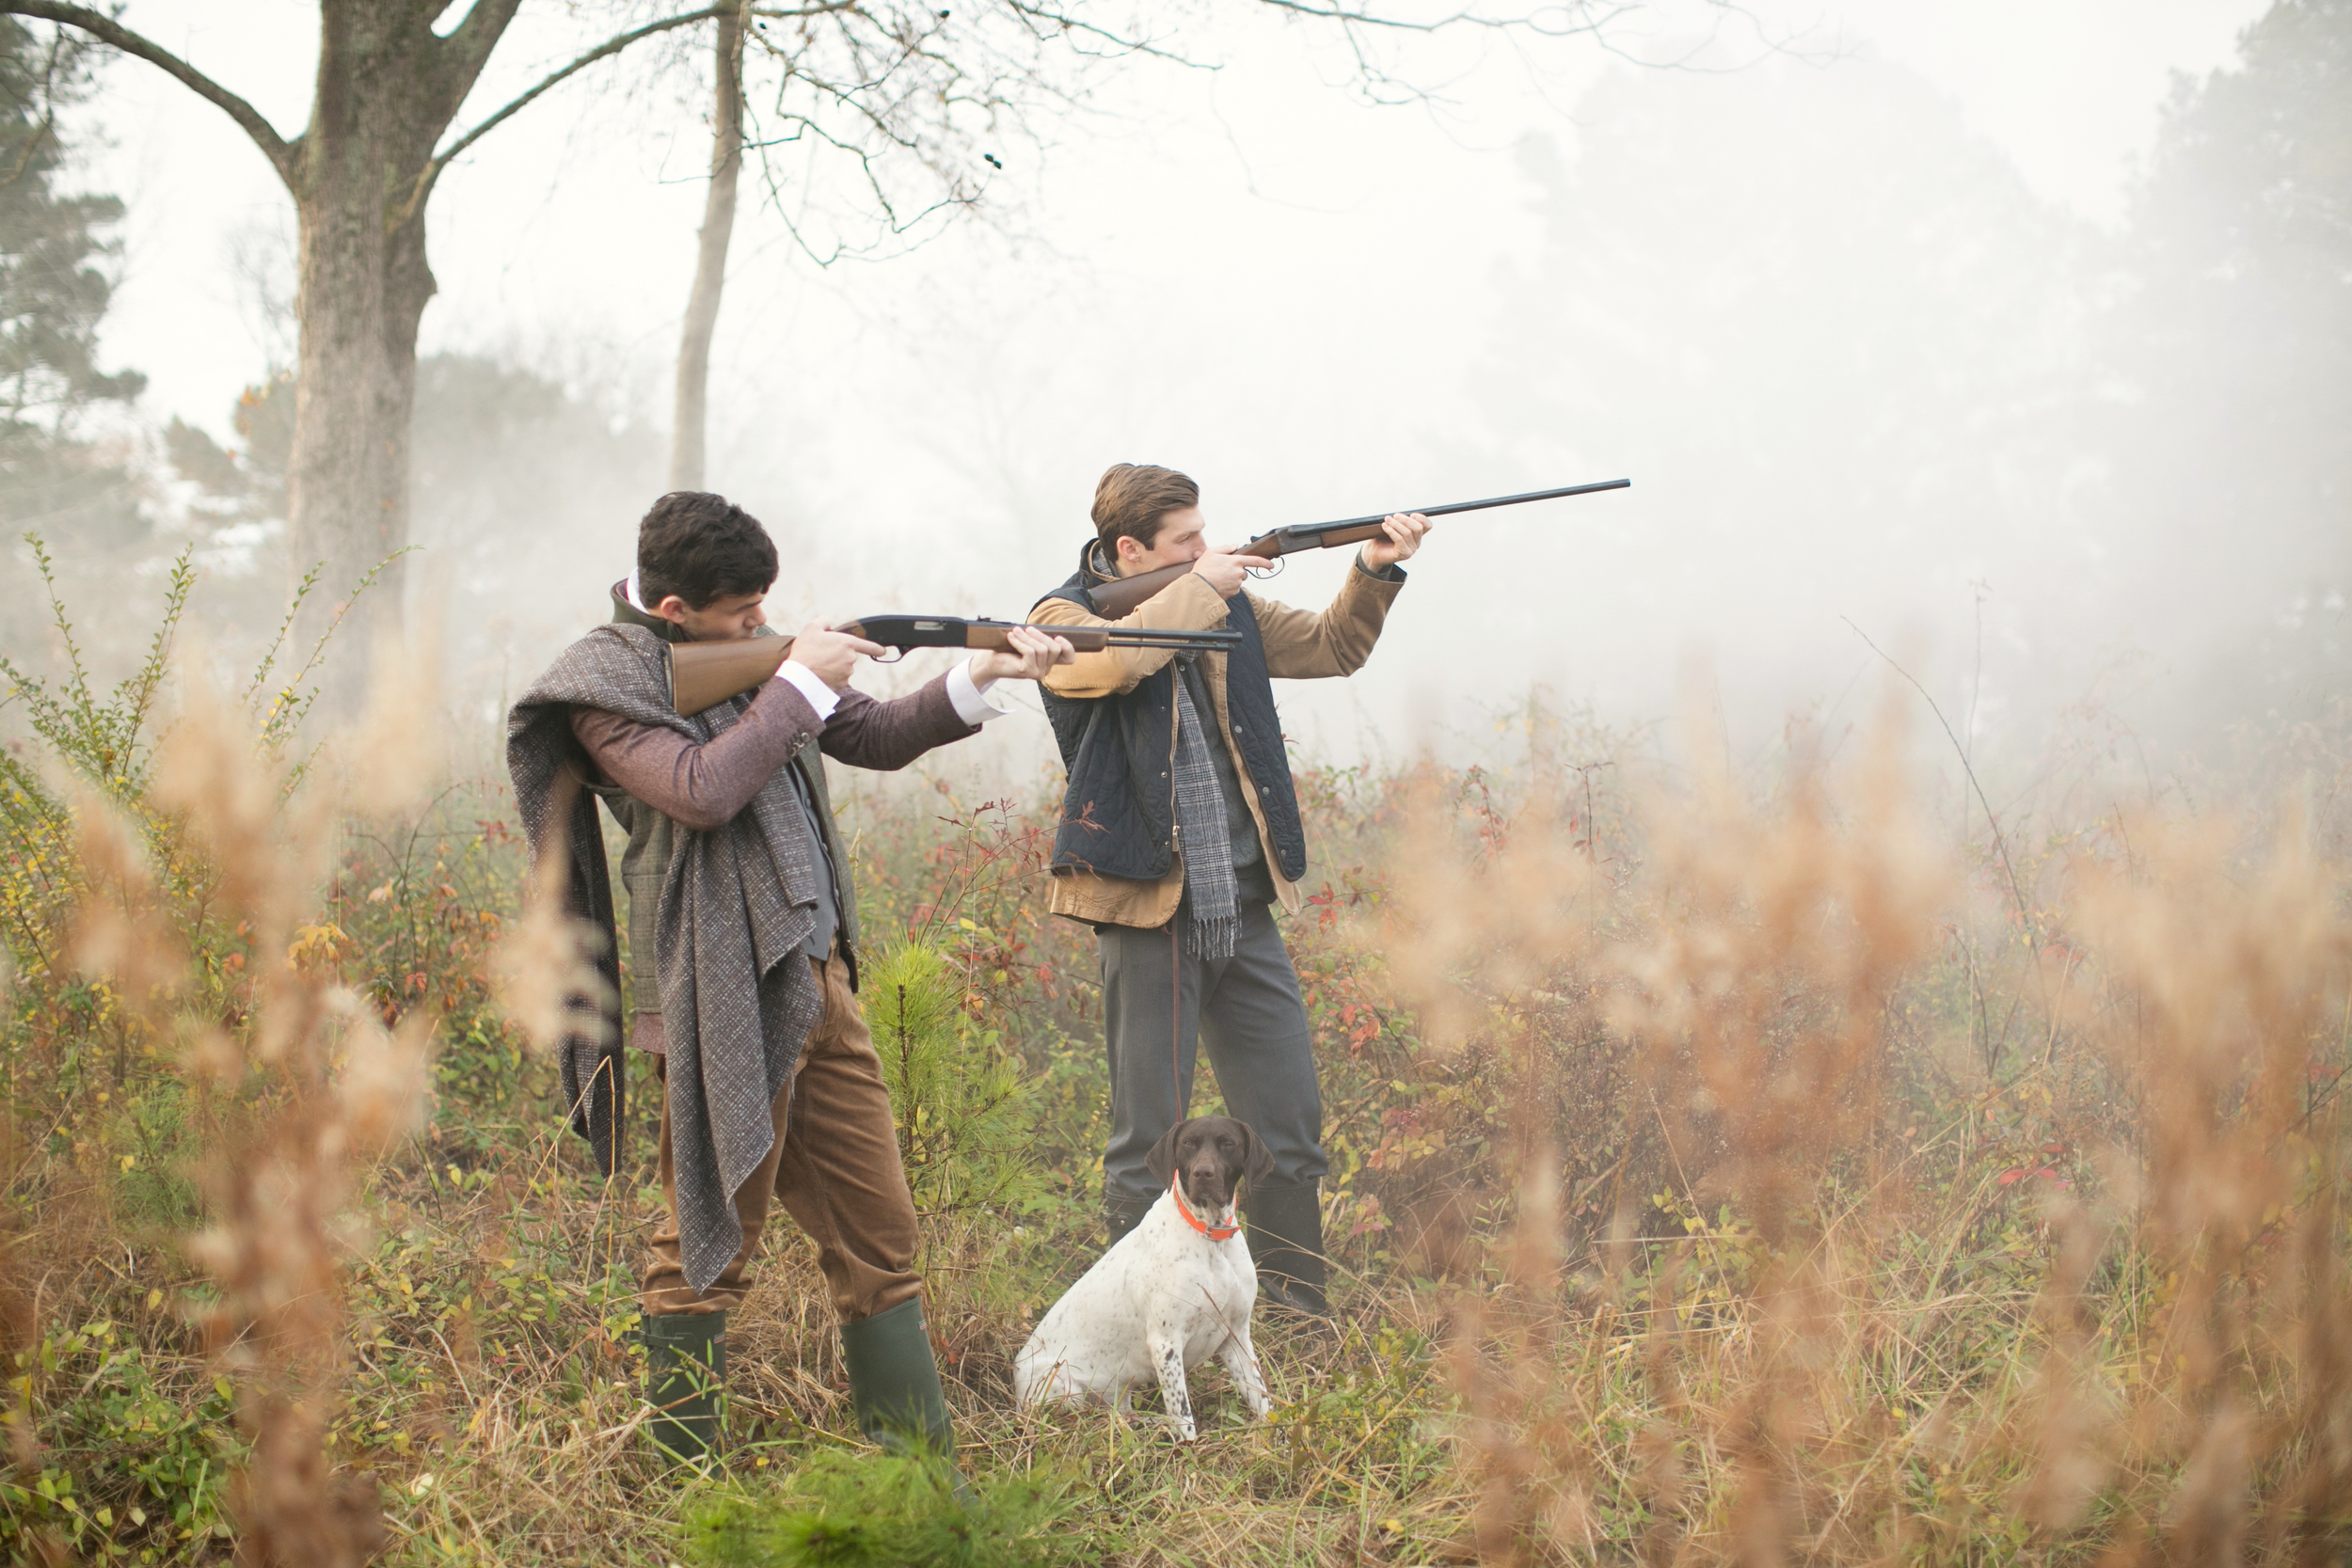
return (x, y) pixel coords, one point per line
(1247, 272)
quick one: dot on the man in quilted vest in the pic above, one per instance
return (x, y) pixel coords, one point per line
(1181, 831)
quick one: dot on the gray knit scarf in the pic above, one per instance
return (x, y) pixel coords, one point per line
(1201, 833)
(739, 903)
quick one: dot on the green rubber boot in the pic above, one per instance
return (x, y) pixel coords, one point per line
(894, 1382)
(686, 1376)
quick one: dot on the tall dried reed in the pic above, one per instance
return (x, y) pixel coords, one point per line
(1855, 1301)
(299, 1089)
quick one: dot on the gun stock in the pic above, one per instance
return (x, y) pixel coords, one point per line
(703, 674)
(1116, 600)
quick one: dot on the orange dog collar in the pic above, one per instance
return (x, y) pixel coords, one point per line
(1214, 1232)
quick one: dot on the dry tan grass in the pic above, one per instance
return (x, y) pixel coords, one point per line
(1810, 1372)
(1755, 1179)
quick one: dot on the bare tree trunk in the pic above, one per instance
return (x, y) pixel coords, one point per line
(361, 292)
(687, 435)
(388, 88)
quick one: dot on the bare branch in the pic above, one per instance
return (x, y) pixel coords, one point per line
(469, 44)
(280, 151)
(1356, 24)
(894, 222)
(609, 47)
(1046, 19)
(606, 50)
(1549, 20)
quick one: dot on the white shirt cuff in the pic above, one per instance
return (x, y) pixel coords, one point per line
(823, 698)
(973, 705)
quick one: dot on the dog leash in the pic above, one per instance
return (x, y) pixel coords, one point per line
(1214, 1232)
(1176, 1070)
(1176, 1006)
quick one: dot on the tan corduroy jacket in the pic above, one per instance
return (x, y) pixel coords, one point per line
(1299, 645)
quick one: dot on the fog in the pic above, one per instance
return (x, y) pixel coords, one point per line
(1895, 322)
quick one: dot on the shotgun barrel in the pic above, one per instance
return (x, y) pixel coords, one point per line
(1116, 600)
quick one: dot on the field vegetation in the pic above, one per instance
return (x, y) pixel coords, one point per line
(1792, 1165)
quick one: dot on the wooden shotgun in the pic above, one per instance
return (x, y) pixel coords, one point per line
(703, 674)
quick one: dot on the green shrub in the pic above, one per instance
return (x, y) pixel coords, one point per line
(845, 1510)
(133, 1459)
(962, 1104)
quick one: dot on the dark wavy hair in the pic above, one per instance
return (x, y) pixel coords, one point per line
(702, 547)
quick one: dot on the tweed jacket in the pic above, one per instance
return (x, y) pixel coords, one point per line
(728, 905)
(862, 732)
(737, 905)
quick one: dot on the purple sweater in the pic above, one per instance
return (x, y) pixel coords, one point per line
(703, 786)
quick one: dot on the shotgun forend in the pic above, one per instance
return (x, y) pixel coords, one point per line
(703, 674)
(1115, 600)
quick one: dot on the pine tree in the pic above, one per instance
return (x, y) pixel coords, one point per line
(959, 1096)
(2228, 365)
(54, 291)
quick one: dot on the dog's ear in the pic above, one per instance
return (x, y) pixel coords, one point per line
(1256, 1159)
(1161, 1161)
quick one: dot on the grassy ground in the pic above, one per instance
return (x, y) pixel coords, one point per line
(1737, 1171)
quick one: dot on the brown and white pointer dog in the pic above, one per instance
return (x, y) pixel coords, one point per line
(1174, 1290)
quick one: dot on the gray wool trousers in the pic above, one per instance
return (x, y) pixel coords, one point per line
(1246, 1009)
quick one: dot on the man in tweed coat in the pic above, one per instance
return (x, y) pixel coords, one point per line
(743, 928)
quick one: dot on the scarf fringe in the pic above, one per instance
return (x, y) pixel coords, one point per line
(1213, 938)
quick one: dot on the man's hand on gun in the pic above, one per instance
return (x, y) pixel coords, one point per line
(832, 656)
(1031, 654)
(1222, 570)
(1403, 531)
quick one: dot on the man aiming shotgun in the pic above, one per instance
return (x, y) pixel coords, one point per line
(1180, 829)
(743, 928)
(1119, 597)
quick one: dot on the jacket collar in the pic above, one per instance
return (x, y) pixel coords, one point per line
(629, 614)
(1091, 565)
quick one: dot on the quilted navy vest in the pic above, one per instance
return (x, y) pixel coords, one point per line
(1118, 816)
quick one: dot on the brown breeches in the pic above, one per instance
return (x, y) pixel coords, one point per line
(834, 1167)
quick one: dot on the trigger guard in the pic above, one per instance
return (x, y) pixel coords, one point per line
(894, 656)
(1262, 573)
